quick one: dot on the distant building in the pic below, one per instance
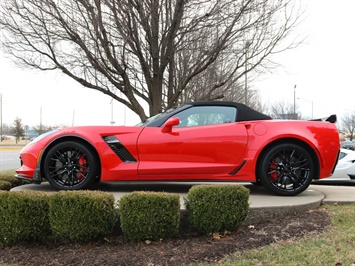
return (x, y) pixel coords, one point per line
(30, 134)
(8, 137)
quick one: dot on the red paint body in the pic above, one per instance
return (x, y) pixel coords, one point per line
(220, 152)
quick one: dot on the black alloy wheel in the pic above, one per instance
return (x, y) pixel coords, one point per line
(70, 165)
(286, 169)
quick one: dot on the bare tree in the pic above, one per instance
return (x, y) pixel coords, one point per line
(153, 53)
(283, 110)
(6, 129)
(40, 129)
(348, 125)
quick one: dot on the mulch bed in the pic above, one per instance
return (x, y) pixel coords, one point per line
(188, 248)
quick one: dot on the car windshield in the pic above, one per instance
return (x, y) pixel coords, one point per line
(154, 117)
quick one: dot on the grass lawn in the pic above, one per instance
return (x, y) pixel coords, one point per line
(9, 142)
(336, 246)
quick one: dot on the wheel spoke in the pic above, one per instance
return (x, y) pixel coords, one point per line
(57, 173)
(288, 169)
(71, 165)
(58, 156)
(80, 174)
(68, 166)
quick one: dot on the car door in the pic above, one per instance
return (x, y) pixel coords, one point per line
(206, 144)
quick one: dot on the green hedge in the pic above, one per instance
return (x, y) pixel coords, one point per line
(23, 217)
(81, 216)
(5, 185)
(216, 208)
(12, 179)
(149, 215)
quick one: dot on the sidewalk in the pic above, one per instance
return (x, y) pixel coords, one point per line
(336, 194)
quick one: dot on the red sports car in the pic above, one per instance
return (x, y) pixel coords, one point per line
(199, 141)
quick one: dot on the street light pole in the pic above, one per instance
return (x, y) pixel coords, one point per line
(294, 102)
(311, 101)
(72, 122)
(1, 118)
(247, 44)
(112, 122)
(246, 80)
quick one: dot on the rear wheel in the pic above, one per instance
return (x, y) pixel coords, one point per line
(286, 169)
(70, 165)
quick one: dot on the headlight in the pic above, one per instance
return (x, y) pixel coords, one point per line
(43, 136)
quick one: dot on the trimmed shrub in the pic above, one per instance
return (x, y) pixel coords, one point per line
(5, 185)
(149, 215)
(13, 180)
(217, 208)
(81, 216)
(23, 217)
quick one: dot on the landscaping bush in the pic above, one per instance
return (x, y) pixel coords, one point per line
(5, 185)
(23, 217)
(81, 216)
(217, 208)
(12, 179)
(149, 215)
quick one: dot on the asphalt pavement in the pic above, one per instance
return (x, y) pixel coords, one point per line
(263, 205)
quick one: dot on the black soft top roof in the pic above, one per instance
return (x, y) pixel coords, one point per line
(244, 112)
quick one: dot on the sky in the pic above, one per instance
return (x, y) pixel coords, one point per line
(322, 68)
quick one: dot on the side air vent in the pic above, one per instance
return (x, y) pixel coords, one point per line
(117, 147)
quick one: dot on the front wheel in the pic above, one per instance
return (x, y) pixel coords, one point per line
(286, 169)
(70, 165)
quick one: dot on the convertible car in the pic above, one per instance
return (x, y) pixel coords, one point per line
(199, 141)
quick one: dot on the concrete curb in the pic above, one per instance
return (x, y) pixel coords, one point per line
(266, 206)
(263, 205)
(336, 194)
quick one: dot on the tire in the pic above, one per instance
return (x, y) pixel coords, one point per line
(257, 183)
(70, 165)
(286, 169)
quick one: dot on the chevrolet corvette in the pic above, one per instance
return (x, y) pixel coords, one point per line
(213, 141)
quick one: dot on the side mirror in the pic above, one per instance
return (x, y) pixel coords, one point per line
(169, 124)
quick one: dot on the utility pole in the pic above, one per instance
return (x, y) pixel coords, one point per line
(1, 118)
(112, 122)
(247, 44)
(294, 102)
(40, 121)
(72, 123)
(311, 101)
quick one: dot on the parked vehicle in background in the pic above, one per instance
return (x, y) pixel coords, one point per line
(347, 145)
(199, 141)
(345, 169)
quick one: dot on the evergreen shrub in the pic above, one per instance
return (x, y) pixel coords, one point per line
(23, 217)
(12, 179)
(217, 208)
(149, 215)
(81, 216)
(5, 185)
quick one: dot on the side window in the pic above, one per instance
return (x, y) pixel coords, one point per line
(206, 115)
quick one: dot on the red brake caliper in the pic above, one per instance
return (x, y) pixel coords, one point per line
(273, 174)
(82, 170)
